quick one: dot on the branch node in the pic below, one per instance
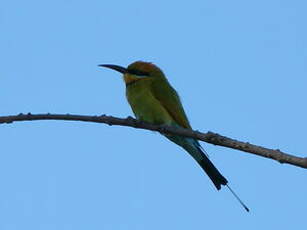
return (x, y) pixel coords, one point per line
(129, 118)
(132, 121)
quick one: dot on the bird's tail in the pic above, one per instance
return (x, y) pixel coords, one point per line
(216, 177)
(194, 149)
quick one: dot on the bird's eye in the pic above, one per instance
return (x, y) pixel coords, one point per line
(138, 72)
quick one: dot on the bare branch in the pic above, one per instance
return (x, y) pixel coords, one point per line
(209, 137)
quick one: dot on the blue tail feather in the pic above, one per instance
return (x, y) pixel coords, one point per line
(194, 149)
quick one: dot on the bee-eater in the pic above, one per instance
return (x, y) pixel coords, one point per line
(154, 100)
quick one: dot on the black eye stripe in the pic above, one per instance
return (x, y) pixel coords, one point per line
(138, 72)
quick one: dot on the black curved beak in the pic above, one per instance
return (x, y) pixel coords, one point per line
(115, 67)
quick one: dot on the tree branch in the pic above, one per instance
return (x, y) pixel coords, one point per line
(209, 137)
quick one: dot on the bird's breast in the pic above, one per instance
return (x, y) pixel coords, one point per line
(145, 106)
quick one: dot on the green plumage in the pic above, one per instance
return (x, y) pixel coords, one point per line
(154, 100)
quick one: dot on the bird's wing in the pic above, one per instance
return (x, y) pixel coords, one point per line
(170, 100)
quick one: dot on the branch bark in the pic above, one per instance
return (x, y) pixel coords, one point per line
(209, 137)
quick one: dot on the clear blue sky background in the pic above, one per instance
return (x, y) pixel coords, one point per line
(240, 68)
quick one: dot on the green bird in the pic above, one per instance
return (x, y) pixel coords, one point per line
(154, 100)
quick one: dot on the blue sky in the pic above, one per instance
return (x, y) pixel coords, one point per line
(240, 69)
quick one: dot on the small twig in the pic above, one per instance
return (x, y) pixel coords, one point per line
(208, 137)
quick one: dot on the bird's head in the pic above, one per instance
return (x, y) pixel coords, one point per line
(137, 71)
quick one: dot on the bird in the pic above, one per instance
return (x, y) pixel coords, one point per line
(153, 99)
